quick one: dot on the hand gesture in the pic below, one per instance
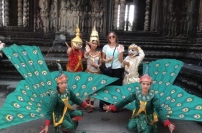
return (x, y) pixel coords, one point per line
(106, 107)
(87, 48)
(44, 130)
(90, 106)
(67, 44)
(171, 127)
(126, 63)
(109, 59)
(135, 46)
(69, 49)
(94, 65)
(120, 48)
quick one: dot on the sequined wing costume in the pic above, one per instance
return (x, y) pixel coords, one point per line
(31, 98)
(177, 103)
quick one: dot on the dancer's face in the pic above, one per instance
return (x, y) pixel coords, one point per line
(94, 45)
(145, 86)
(62, 85)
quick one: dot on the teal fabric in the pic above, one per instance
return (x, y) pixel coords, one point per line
(177, 103)
(141, 126)
(31, 98)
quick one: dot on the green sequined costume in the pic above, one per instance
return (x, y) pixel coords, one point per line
(143, 118)
(57, 106)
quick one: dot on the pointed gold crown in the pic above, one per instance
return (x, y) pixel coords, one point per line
(94, 35)
(77, 42)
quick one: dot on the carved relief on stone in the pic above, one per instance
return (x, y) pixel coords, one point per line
(89, 21)
(154, 15)
(75, 4)
(122, 14)
(147, 12)
(53, 15)
(1, 15)
(185, 19)
(178, 17)
(69, 15)
(115, 14)
(62, 15)
(135, 15)
(43, 4)
(25, 13)
(38, 25)
(6, 13)
(97, 13)
(19, 12)
(200, 17)
(83, 20)
(73, 16)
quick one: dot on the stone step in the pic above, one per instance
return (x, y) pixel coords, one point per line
(7, 87)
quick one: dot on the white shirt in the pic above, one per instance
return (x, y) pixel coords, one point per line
(109, 53)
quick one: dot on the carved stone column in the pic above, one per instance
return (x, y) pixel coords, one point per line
(116, 4)
(1, 20)
(154, 15)
(6, 13)
(122, 14)
(193, 18)
(19, 12)
(200, 17)
(25, 13)
(135, 2)
(146, 22)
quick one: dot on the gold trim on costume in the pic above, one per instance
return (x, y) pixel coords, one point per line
(67, 106)
(94, 72)
(143, 109)
(79, 63)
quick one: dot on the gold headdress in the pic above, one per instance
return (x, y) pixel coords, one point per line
(77, 42)
(94, 35)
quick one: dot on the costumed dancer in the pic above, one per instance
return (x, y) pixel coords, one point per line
(2, 45)
(155, 92)
(131, 64)
(93, 60)
(75, 54)
(144, 119)
(60, 112)
(34, 94)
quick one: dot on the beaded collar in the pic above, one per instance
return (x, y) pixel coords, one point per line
(144, 97)
(64, 95)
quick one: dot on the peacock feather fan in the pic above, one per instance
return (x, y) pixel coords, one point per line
(84, 84)
(113, 94)
(31, 97)
(178, 103)
(163, 72)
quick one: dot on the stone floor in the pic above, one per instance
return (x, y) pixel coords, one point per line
(101, 122)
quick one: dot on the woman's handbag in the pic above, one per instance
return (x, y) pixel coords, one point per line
(107, 70)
